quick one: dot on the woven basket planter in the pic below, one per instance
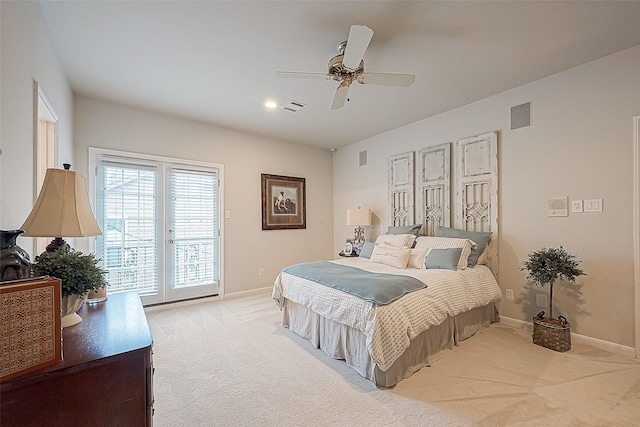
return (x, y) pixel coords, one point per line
(552, 333)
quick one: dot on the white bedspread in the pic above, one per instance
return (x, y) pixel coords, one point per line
(389, 328)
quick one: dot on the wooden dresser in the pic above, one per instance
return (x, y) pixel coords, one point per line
(104, 379)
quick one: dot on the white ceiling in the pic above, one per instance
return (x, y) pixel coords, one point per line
(216, 61)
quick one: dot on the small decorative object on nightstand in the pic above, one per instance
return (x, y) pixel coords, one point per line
(348, 250)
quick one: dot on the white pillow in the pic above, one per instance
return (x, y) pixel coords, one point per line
(416, 259)
(447, 243)
(395, 257)
(396, 240)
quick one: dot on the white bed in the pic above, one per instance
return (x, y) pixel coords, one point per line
(386, 343)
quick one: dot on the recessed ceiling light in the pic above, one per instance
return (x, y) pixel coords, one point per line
(270, 104)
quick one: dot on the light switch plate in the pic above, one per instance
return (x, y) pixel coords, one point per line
(593, 205)
(576, 206)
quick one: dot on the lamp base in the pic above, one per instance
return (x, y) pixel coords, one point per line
(58, 244)
(358, 235)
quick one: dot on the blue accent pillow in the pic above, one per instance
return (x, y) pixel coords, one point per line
(405, 229)
(443, 258)
(481, 238)
(367, 250)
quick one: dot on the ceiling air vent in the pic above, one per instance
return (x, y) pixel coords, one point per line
(293, 106)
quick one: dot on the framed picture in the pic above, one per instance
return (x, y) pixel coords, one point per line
(348, 248)
(283, 202)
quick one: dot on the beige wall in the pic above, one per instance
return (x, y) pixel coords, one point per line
(27, 54)
(580, 145)
(247, 247)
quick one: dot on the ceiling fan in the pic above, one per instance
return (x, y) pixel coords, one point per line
(348, 67)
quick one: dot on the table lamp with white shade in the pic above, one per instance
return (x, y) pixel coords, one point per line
(62, 210)
(360, 218)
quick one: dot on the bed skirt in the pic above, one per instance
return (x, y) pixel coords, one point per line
(349, 344)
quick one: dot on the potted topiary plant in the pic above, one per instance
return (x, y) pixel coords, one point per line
(79, 273)
(546, 267)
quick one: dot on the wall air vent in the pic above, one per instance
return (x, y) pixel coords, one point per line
(293, 106)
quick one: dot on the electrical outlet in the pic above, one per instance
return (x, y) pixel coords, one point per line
(576, 206)
(261, 272)
(509, 293)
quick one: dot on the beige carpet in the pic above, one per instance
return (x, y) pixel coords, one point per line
(230, 363)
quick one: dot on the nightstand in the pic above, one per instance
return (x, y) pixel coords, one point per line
(352, 255)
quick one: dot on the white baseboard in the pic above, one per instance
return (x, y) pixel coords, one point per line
(167, 305)
(233, 295)
(249, 293)
(622, 350)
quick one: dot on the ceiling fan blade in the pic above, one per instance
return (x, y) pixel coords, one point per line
(302, 75)
(357, 43)
(340, 97)
(387, 79)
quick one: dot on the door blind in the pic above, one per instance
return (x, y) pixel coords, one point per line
(127, 214)
(193, 227)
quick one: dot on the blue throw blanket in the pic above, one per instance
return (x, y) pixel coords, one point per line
(378, 288)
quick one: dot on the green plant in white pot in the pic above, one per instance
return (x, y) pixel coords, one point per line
(79, 273)
(548, 266)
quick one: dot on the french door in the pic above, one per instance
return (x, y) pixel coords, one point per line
(160, 223)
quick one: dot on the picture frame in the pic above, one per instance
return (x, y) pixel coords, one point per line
(348, 248)
(283, 202)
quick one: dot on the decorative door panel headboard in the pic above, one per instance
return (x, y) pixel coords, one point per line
(433, 204)
(477, 189)
(401, 177)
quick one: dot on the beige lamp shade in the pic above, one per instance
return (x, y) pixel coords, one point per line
(359, 217)
(62, 208)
